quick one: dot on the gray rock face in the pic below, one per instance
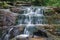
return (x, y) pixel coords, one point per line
(7, 18)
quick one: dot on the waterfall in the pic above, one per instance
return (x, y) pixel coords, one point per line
(31, 14)
(7, 34)
(30, 17)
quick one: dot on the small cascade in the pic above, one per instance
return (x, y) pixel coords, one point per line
(31, 14)
(30, 17)
(7, 35)
(10, 32)
(29, 29)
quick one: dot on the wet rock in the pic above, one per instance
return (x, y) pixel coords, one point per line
(40, 33)
(57, 32)
(22, 37)
(12, 31)
(16, 10)
(48, 12)
(52, 11)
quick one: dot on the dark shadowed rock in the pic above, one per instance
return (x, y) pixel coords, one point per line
(40, 33)
(57, 9)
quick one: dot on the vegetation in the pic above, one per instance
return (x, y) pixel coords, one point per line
(4, 5)
(40, 2)
(52, 2)
(53, 16)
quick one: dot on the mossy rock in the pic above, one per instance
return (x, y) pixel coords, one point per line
(4, 5)
(48, 12)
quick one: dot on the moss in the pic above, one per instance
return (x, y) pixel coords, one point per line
(4, 5)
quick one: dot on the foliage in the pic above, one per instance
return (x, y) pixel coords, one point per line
(41, 2)
(52, 2)
(4, 5)
(36, 2)
(44, 2)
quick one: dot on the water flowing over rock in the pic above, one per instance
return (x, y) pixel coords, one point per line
(30, 17)
(7, 19)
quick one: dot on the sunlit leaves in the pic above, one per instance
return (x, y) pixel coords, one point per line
(52, 2)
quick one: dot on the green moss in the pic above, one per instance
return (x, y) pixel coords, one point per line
(4, 5)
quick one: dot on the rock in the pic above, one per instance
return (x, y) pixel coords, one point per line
(12, 30)
(40, 33)
(16, 10)
(7, 18)
(57, 32)
(56, 9)
(22, 37)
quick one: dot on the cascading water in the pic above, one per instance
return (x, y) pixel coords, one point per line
(7, 35)
(30, 17)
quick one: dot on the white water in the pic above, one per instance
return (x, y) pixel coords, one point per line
(7, 35)
(34, 15)
(31, 14)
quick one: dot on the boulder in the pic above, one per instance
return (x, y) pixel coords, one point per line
(7, 18)
(22, 37)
